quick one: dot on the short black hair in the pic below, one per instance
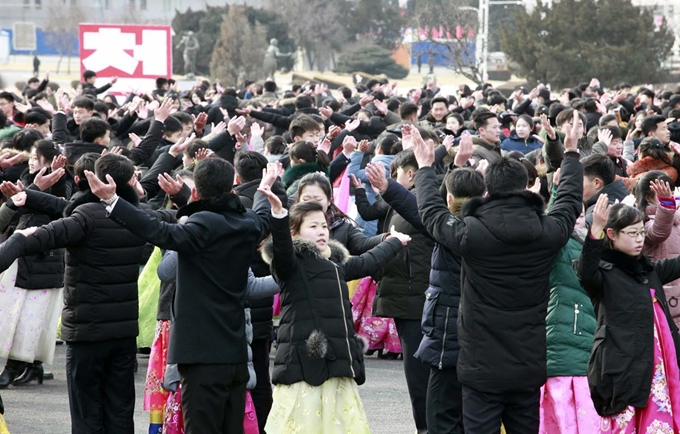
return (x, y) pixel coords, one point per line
(389, 144)
(87, 74)
(649, 124)
(118, 167)
(407, 109)
(249, 165)
(482, 119)
(270, 86)
(599, 166)
(439, 99)
(101, 107)
(83, 102)
(195, 146)
(9, 96)
(172, 125)
(25, 139)
(346, 92)
(615, 130)
(183, 117)
(85, 162)
(213, 177)
(406, 159)
(37, 116)
(93, 128)
(33, 80)
(505, 176)
(301, 124)
(276, 145)
(160, 82)
(46, 149)
(465, 182)
(303, 101)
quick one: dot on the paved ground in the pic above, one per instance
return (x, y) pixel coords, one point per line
(44, 409)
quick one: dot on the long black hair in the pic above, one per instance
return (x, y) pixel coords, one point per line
(643, 190)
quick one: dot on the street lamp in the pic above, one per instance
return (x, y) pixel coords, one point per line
(481, 44)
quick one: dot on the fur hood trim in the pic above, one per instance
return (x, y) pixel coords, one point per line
(317, 345)
(471, 207)
(646, 164)
(339, 253)
(457, 205)
(14, 152)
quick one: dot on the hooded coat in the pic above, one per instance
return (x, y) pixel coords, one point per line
(316, 338)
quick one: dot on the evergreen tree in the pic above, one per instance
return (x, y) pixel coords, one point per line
(576, 40)
(371, 59)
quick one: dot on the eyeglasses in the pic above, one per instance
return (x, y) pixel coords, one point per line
(634, 234)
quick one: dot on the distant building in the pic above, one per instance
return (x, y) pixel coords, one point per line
(107, 11)
(670, 11)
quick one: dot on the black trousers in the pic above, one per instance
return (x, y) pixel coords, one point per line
(444, 402)
(262, 393)
(483, 412)
(101, 386)
(417, 372)
(213, 398)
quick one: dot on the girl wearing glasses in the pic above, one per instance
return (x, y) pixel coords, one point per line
(633, 368)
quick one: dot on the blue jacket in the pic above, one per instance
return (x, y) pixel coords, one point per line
(514, 143)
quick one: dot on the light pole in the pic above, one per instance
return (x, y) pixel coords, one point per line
(482, 39)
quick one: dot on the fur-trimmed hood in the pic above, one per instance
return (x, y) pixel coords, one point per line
(513, 218)
(339, 253)
(647, 164)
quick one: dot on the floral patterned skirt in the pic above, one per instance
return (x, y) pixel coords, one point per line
(662, 414)
(28, 320)
(155, 396)
(566, 407)
(332, 408)
(380, 333)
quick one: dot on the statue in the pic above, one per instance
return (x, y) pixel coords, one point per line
(270, 63)
(190, 49)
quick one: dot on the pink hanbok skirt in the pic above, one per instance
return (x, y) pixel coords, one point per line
(566, 407)
(380, 333)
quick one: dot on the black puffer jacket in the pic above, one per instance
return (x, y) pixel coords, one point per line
(622, 360)
(316, 337)
(44, 270)
(102, 266)
(350, 236)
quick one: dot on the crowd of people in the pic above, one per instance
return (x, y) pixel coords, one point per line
(519, 253)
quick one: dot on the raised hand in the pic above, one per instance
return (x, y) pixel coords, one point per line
(9, 189)
(556, 176)
(423, 151)
(181, 145)
(465, 150)
(398, 235)
(381, 106)
(19, 199)
(363, 102)
(326, 112)
(545, 124)
(45, 105)
(333, 132)
(571, 133)
(448, 142)
(629, 200)
(270, 174)
(203, 153)
(200, 121)
(135, 139)
(169, 185)
(256, 130)
(58, 162)
(274, 201)
(661, 188)
(43, 182)
(604, 136)
(375, 172)
(324, 145)
(536, 188)
(352, 124)
(600, 216)
(103, 190)
(164, 110)
(349, 144)
(357, 183)
(482, 166)
(7, 161)
(363, 145)
(235, 125)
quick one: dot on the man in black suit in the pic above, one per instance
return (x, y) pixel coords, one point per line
(207, 337)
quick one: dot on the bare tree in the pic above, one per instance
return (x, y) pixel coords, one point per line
(316, 26)
(239, 50)
(449, 27)
(62, 30)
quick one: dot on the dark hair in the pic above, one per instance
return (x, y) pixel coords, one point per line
(620, 217)
(389, 144)
(37, 116)
(505, 176)
(85, 162)
(370, 83)
(674, 114)
(615, 130)
(101, 107)
(195, 146)
(118, 167)
(160, 82)
(652, 147)
(33, 80)
(299, 211)
(46, 149)
(346, 92)
(301, 124)
(183, 117)
(643, 191)
(276, 145)
(457, 117)
(567, 115)
(529, 120)
(172, 125)
(439, 99)
(599, 166)
(270, 86)
(93, 128)
(532, 172)
(303, 101)
(3, 119)
(87, 74)
(321, 181)
(213, 177)
(25, 139)
(605, 119)
(406, 159)
(465, 182)
(590, 106)
(249, 165)
(7, 95)
(482, 119)
(304, 150)
(82, 102)
(649, 124)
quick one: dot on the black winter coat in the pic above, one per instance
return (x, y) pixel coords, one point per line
(316, 338)
(102, 267)
(621, 363)
(508, 245)
(214, 248)
(350, 236)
